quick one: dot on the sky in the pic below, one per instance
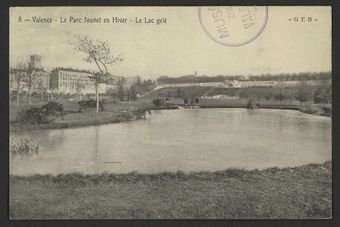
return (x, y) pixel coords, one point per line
(178, 47)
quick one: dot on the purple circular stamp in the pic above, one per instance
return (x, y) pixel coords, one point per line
(233, 25)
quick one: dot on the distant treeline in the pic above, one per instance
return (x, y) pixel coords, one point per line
(302, 93)
(221, 78)
(299, 76)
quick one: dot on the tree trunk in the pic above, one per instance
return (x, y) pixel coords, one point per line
(18, 94)
(29, 94)
(97, 97)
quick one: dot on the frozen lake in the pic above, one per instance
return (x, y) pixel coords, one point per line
(184, 139)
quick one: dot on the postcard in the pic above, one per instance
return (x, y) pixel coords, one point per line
(214, 112)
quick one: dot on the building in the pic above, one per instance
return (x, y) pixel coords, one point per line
(129, 81)
(232, 83)
(35, 61)
(41, 84)
(73, 81)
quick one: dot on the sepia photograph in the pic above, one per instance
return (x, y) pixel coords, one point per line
(212, 112)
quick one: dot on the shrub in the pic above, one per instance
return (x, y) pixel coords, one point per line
(158, 102)
(140, 114)
(35, 94)
(252, 104)
(31, 116)
(327, 111)
(38, 115)
(53, 108)
(280, 97)
(304, 93)
(86, 105)
(320, 96)
(310, 109)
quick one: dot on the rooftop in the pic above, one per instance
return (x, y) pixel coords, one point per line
(72, 70)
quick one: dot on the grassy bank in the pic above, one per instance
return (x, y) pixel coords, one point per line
(114, 113)
(309, 108)
(76, 120)
(300, 192)
(127, 111)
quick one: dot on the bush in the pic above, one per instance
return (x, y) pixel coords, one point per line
(304, 94)
(52, 108)
(279, 97)
(252, 104)
(320, 96)
(38, 115)
(139, 114)
(35, 95)
(315, 109)
(310, 109)
(158, 102)
(86, 105)
(317, 98)
(31, 116)
(327, 111)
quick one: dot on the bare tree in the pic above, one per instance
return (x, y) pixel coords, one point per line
(133, 93)
(79, 87)
(41, 89)
(120, 88)
(29, 74)
(304, 92)
(32, 77)
(19, 75)
(97, 52)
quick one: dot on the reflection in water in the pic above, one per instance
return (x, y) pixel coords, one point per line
(96, 141)
(185, 139)
(51, 138)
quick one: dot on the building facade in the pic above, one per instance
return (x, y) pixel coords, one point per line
(73, 81)
(35, 61)
(41, 84)
(64, 80)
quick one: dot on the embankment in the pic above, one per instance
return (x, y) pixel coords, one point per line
(131, 112)
(299, 192)
(316, 109)
(77, 119)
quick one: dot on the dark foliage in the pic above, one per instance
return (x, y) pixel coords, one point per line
(321, 96)
(158, 102)
(327, 111)
(86, 105)
(38, 115)
(252, 104)
(221, 78)
(304, 94)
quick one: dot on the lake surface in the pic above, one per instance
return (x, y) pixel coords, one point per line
(184, 139)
